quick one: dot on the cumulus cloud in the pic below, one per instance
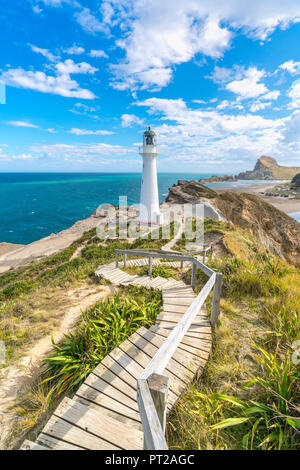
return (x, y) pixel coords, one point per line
(290, 66)
(61, 84)
(76, 131)
(45, 52)
(204, 136)
(98, 53)
(243, 82)
(294, 94)
(128, 120)
(157, 36)
(89, 22)
(74, 50)
(69, 67)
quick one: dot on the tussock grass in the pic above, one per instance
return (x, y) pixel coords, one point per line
(248, 396)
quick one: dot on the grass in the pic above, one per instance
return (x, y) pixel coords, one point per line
(25, 292)
(101, 329)
(248, 396)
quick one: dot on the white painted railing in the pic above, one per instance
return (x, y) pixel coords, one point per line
(152, 386)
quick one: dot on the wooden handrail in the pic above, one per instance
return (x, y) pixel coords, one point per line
(151, 413)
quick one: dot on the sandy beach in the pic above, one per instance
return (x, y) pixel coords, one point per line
(287, 205)
(16, 255)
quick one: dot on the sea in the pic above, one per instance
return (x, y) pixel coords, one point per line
(34, 205)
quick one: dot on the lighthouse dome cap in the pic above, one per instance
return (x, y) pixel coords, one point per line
(149, 131)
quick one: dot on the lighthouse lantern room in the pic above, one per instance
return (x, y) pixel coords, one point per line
(149, 202)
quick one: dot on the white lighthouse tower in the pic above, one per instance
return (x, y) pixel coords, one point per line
(149, 207)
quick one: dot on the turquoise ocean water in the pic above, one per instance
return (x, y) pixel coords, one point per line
(33, 205)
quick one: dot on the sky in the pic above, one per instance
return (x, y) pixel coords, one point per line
(218, 81)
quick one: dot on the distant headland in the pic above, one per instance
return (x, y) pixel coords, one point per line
(267, 168)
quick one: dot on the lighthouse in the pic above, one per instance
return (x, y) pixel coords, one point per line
(149, 203)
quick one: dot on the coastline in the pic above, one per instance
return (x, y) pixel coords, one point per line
(287, 205)
(15, 255)
(18, 255)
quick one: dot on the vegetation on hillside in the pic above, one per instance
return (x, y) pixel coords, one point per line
(248, 396)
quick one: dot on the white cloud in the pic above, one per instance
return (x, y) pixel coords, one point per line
(68, 66)
(98, 53)
(272, 95)
(89, 132)
(204, 136)
(74, 50)
(87, 151)
(84, 110)
(249, 86)
(294, 94)
(22, 124)
(258, 106)
(89, 22)
(291, 67)
(45, 52)
(157, 35)
(61, 85)
(128, 120)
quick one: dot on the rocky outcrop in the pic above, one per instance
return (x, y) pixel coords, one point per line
(295, 183)
(267, 168)
(188, 192)
(274, 229)
(217, 179)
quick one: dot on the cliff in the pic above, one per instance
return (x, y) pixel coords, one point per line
(188, 191)
(278, 232)
(267, 168)
(218, 179)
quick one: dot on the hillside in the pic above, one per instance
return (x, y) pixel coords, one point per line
(267, 168)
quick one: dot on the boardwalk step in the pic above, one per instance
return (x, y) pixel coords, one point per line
(28, 445)
(82, 426)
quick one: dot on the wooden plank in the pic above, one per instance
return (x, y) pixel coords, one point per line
(64, 431)
(111, 376)
(117, 394)
(56, 444)
(176, 317)
(107, 402)
(139, 358)
(113, 432)
(182, 371)
(195, 341)
(28, 445)
(174, 308)
(188, 359)
(180, 301)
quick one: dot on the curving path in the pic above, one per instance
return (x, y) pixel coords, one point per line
(104, 412)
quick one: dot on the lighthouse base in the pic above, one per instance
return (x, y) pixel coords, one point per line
(156, 219)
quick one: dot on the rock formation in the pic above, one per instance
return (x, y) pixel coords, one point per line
(189, 191)
(267, 168)
(217, 179)
(295, 183)
(273, 228)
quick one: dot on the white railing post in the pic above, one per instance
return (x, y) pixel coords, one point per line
(215, 307)
(203, 257)
(125, 259)
(193, 278)
(150, 266)
(117, 260)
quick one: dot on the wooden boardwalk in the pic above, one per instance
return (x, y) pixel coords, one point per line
(104, 413)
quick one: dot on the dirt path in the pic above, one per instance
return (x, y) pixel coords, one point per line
(17, 377)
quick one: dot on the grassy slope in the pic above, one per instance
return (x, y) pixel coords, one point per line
(32, 298)
(247, 397)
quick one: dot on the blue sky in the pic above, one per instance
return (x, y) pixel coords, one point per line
(218, 81)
